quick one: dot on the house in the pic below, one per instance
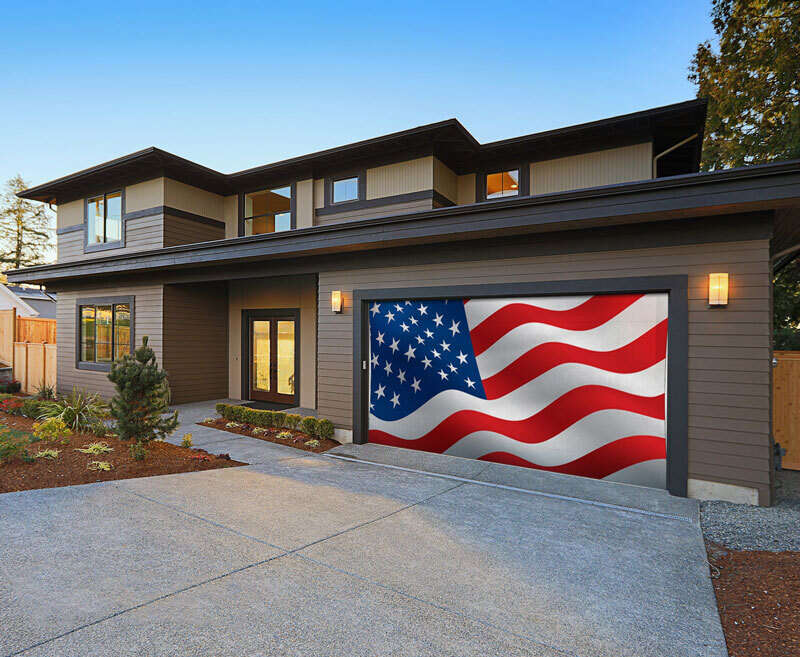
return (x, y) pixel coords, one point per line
(28, 301)
(601, 307)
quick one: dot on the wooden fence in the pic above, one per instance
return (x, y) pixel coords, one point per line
(28, 346)
(786, 406)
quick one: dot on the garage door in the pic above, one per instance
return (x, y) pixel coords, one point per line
(569, 384)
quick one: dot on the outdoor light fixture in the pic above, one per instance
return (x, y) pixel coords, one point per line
(718, 289)
(336, 300)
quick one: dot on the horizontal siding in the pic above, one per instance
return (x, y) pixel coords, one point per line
(400, 178)
(140, 234)
(147, 321)
(379, 211)
(729, 349)
(178, 230)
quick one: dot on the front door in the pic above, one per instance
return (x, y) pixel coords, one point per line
(272, 356)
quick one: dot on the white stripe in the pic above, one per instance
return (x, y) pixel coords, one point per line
(479, 309)
(631, 323)
(586, 435)
(648, 473)
(524, 401)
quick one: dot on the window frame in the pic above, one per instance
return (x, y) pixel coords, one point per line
(102, 246)
(102, 301)
(292, 206)
(359, 174)
(524, 183)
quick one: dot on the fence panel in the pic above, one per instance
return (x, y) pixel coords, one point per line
(36, 329)
(8, 323)
(786, 406)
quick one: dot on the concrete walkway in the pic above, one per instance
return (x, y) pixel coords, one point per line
(300, 554)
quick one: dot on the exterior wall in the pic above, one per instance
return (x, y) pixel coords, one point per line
(147, 194)
(196, 341)
(400, 178)
(445, 181)
(466, 189)
(69, 214)
(147, 320)
(267, 293)
(376, 211)
(606, 167)
(180, 230)
(230, 216)
(194, 200)
(304, 203)
(729, 348)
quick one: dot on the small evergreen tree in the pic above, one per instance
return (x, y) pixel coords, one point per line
(141, 400)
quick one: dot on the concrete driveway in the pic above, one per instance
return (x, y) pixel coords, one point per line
(314, 555)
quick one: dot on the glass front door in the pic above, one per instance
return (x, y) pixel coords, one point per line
(273, 359)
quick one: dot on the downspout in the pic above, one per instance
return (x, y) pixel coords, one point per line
(669, 150)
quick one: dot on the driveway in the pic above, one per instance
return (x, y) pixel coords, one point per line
(301, 554)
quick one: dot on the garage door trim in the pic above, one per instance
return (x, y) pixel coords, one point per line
(677, 349)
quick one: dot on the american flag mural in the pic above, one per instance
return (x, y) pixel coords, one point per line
(569, 384)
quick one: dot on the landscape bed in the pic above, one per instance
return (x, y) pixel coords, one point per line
(71, 467)
(298, 438)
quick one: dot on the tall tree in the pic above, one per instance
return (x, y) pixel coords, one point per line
(26, 232)
(752, 84)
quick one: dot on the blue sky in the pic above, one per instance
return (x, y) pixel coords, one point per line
(234, 84)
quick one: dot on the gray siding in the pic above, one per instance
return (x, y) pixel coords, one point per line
(729, 349)
(179, 230)
(379, 211)
(196, 341)
(148, 303)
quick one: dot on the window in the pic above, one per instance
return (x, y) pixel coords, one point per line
(104, 332)
(268, 211)
(104, 219)
(502, 184)
(345, 189)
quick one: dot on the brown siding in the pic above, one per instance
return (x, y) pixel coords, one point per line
(179, 230)
(147, 321)
(729, 371)
(196, 341)
(378, 211)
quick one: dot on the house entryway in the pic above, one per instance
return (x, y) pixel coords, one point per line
(271, 357)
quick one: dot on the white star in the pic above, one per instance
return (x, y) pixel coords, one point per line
(438, 319)
(371, 406)
(410, 353)
(426, 362)
(469, 382)
(454, 327)
(379, 339)
(404, 326)
(415, 384)
(442, 374)
(420, 340)
(376, 308)
(452, 367)
(374, 360)
(395, 345)
(398, 307)
(402, 376)
(423, 310)
(462, 357)
(435, 354)
(379, 392)
(395, 400)
(408, 303)
(413, 320)
(429, 333)
(388, 368)
(389, 316)
(445, 346)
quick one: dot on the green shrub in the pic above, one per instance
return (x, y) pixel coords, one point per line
(285, 435)
(53, 428)
(292, 420)
(220, 408)
(279, 419)
(31, 408)
(325, 429)
(79, 410)
(309, 425)
(187, 440)
(47, 454)
(10, 386)
(103, 466)
(12, 446)
(312, 443)
(45, 392)
(138, 452)
(95, 448)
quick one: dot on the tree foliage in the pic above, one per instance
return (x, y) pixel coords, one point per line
(752, 83)
(786, 307)
(141, 400)
(26, 232)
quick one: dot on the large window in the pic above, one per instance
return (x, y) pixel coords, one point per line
(268, 211)
(104, 331)
(104, 219)
(345, 189)
(502, 184)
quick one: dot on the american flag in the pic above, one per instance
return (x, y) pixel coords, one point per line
(569, 384)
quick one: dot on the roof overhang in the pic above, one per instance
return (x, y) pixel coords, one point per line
(766, 187)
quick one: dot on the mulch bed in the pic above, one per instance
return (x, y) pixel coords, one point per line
(271, 436)
(757, 600)
(71, 466)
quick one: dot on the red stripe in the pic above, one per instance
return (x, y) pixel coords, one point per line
(550, 421)
(590, 314)
(603, 461)
(645, 351)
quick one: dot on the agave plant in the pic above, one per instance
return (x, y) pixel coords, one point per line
(79, 410)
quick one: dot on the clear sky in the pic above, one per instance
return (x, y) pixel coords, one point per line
(233, 85)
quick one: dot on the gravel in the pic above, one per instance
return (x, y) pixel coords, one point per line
(746, 527)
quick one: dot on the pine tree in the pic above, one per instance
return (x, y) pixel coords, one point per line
(26, 228)
(142, 397)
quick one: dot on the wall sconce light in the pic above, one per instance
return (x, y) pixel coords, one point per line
(336, 301)
(718, 289)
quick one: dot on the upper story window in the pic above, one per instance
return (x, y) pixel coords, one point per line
(104, 218)
(268, 210)
(345, 189)
(502, 184)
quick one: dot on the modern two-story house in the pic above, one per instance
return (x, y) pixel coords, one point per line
(581, 300)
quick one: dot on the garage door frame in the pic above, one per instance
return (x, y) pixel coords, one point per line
(677, 347)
